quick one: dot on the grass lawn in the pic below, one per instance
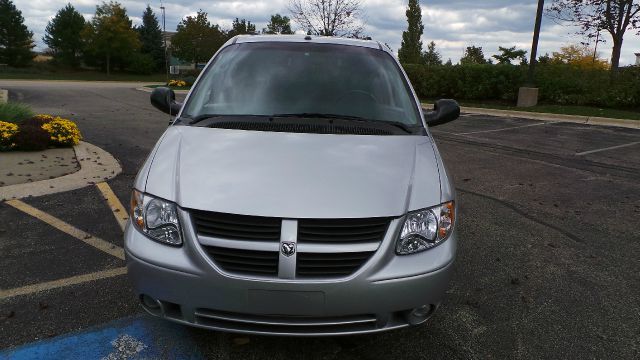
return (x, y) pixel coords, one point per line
(86, 75)
(172, 87)
(560, 109)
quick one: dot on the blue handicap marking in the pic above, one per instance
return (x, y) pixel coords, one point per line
(140, 337)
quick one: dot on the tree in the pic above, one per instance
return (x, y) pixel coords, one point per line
(431, 56)
(16, 41)
(278, 25)
(328, 17)
(473, 55)
(151, 39)
(109, 35)
(507, 55)
(593, 16)
(579, 56)
(241, 27)
(196, 40)
(61, 35)
(544, 59)
(411, 47)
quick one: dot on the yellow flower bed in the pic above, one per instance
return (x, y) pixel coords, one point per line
(63, 131)
(177, 83)
(7, 132)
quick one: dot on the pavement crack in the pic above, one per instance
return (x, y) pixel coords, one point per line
(524, 214)
(594, 167)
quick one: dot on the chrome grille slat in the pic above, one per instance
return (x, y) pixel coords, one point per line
(284, 320)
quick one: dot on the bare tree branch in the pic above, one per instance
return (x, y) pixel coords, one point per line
(328, 17)
(592, 16)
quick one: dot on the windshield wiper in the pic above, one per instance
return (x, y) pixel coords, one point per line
(320, 116)
(396, 124)
(203, 117)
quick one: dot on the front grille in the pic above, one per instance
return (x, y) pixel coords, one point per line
(232, 242)
(236, 227)
(329, 265)
(342, 230)
(248, 262)
(283, 324)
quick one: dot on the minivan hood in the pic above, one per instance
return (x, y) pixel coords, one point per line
(293, 175)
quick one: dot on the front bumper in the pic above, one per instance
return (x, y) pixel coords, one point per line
(190, 289)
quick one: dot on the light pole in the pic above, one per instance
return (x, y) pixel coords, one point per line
(164, 41)
(528, 95)
(534, 44)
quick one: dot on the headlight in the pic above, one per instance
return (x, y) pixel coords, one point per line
(156, 218)
(424, 229)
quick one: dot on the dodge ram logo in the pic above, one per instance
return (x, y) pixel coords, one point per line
(288, 248)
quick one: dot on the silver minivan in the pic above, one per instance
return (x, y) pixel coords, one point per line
(297, 192)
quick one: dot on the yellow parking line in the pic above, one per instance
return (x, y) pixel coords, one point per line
(114, 203)
(74, 280)
(87, 238)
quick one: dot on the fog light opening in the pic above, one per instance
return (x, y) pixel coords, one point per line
(420, 314)
(150, 304)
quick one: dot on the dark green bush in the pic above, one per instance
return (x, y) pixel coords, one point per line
(31, 138)
(559, 84)
(142, 64)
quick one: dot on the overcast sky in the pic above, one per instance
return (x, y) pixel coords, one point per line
(452, 24)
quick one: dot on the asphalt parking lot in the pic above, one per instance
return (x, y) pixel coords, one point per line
(547, 265)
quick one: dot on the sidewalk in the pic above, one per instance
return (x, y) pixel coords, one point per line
(19, 167)
(587, 120)
(54, 170)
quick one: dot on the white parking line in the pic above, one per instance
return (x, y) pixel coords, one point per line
(79, 279)
(504, 129)
(607, 148)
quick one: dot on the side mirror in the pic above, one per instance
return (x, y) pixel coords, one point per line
(164, 99)
(444, 111)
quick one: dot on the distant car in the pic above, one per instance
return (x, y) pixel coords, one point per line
(297, 192)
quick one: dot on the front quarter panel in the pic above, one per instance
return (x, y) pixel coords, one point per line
(140, 182)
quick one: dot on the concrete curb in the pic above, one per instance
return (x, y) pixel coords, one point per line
(149, 90)
(587, 120)
(96, 165)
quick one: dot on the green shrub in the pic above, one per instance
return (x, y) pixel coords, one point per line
(14, 112)
(31, 138)
(559, 84)
(142, 64)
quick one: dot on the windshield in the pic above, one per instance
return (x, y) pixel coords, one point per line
(267, 79)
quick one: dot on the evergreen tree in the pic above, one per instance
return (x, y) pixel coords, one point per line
(241, 27)
(411, 47)
(278, 25)
(473, 55)
(61, 35)
(151, 39)
(16, 41)
(196, 40)
(431, 56)
(109, 36)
